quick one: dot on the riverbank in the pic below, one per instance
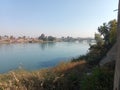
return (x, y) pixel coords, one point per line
(8, 41)
(65, 76)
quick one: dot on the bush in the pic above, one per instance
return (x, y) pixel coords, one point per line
(100, 79)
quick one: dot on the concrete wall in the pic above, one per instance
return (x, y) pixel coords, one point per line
(117, 68)
(111, 56)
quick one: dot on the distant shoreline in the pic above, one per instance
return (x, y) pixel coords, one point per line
(41, 39)
(25, 41)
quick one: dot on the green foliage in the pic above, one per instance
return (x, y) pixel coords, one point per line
(42, 37)
(46, 38)
(51, 38)
(99, 39)
(100, 79)
(108, 31)
(104, 31)
(113, 31)
(105, 39)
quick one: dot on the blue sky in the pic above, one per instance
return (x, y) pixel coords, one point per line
(76, 18)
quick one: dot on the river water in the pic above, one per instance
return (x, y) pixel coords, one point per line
(34, 56)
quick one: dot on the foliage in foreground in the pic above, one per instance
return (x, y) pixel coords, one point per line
(65, 76)
(99, 79)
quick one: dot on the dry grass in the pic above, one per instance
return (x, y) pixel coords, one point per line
(67, 65)
(65, 76)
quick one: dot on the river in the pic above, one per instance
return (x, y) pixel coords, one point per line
(34, 56)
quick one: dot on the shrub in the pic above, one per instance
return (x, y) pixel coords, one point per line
(100, 79)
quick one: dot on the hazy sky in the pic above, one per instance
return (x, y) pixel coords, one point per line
(77, 18)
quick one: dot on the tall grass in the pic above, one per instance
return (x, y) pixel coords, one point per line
(65, 76)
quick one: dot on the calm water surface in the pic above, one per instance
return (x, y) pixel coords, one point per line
(38, 55)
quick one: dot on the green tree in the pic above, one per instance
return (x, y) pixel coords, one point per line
(51, 38)
(99, 39)
(104, 31)
(108, 31)
(105, 39)
(42, 37)
(113, 31)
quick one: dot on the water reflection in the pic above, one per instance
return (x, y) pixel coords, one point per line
(6, 47)
(45, 45)
(32, 57)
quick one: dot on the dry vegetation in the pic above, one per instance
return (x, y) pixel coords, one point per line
(65, 76)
